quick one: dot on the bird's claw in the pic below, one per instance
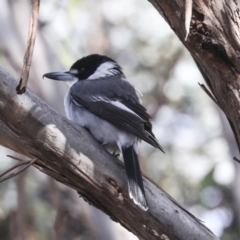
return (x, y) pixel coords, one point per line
(115, 154)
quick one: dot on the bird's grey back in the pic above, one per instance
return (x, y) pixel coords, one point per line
(112, 87)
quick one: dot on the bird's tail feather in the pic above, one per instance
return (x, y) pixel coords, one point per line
(135, 182)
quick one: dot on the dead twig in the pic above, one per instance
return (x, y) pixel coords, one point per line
(229, 120)
(236, 159)
(15, 158)
(209, 94)
(21, 88)
(5, 176)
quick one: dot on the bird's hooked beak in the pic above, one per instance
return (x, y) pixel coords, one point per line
(60, 76)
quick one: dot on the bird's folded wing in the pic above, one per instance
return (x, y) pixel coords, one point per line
(123, 118)
(139, 109)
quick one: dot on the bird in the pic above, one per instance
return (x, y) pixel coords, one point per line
(103, 101)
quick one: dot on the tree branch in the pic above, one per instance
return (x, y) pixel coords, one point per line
(69, 154)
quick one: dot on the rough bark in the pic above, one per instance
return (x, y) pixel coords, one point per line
(69, 154)
(214, 42)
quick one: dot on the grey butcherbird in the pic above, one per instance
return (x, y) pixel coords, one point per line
(103, 101)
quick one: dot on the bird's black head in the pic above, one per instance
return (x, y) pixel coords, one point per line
(88, 68)
(94, 67)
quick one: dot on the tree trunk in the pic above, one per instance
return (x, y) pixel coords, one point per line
(214, 43)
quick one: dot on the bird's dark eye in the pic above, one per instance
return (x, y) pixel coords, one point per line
(82, 69)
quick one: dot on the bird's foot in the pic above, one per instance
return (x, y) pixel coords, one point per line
(116, 154)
